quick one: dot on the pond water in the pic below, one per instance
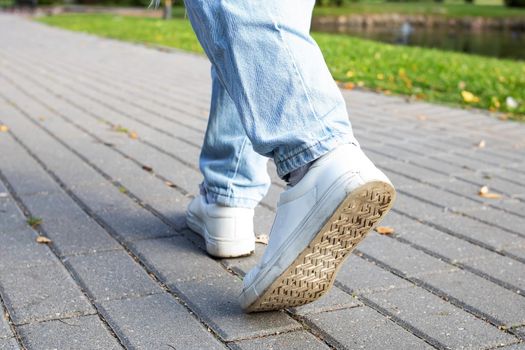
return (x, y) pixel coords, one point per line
(487, 42)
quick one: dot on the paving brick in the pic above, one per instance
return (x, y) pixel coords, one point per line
(42, 293)
(496, 217)
(263, 220)
(15, 164)
(440, 197)
(505, 269)
(476, 231)
(442, 243)
(157, 322)
(112, 275)
(519, 346)
(86, 332)
(363, 277)
(5, 331)
(215, 301)
(11, 217)
(243, 264)
(517, 251)
(299, 340)
(19, 249)
(9, 344)
(333, 300)
(177, 259)
(440, 320)
(416, 208)
(364, 328)
(402, 257)
(503, 305)
(135, 223)
(520, 331)
(72, 230)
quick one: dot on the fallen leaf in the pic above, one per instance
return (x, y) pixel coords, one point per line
(169, 184)
(484, 190)
(3, 128)
(491, 195)
(469, 97)
(481, 144)
(422, 117)
(261, 238)
(348, 86)
(147, 168)
(485, 193)
(384, 230)
(43, 240)
(133, 135)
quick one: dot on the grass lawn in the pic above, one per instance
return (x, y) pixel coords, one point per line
(447, 9)
(427, 74)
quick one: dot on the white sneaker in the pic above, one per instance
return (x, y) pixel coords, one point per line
(319, 221)
(228, 231)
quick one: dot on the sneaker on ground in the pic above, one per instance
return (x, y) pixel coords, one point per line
(318, 223)
(228, 231)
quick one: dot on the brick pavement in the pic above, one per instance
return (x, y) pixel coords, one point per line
(123, 270)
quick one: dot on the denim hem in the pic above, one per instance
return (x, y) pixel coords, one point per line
(224, 197)
(312, 152)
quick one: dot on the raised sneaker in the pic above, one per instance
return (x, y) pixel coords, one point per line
(318, 223)
(228, 231)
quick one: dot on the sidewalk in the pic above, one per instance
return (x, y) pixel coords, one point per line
(103, 147)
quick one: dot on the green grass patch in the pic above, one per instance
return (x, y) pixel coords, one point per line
(427, 8)
(427, 74)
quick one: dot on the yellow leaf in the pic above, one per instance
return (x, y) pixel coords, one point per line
(469, 97)
(43, 240)
(485, 193)
(384, 230)
(133, 135)
(3, 128)
(491, 195)
(380, 76)
(350, 74)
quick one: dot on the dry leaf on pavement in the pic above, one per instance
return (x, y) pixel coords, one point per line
(485, 193)
(147, 168)
(384, 230)
(4, 128)
(43, 240)
(133, 135)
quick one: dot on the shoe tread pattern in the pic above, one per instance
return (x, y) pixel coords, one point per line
(313, 272)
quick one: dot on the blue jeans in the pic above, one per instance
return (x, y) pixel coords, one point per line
(273, 95)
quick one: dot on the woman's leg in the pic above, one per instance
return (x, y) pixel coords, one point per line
(289, 105)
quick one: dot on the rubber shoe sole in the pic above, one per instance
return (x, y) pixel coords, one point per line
(313, 272)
